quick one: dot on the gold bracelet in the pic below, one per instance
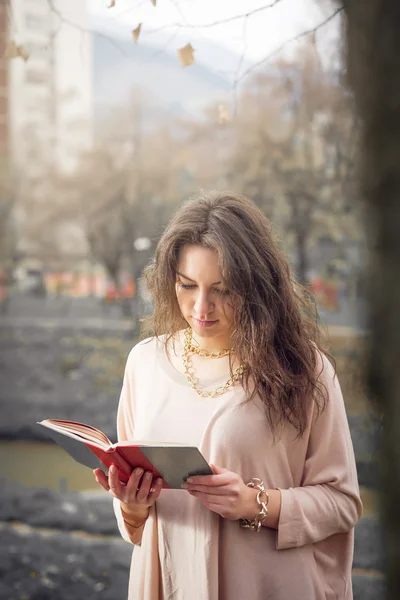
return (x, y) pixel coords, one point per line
(134, 526)
(262, 500)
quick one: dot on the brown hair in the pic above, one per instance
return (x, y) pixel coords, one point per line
(275, 333)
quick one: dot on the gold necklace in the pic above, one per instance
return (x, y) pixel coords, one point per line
(188, 333)
(188, 350)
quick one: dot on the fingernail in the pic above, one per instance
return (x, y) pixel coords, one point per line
(159, 481)
(184, 486)
(140, 471)
(148, 475)
(189, 480)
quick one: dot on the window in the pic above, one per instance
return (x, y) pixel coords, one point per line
(36, 76)
(36, 22)
(38, 50)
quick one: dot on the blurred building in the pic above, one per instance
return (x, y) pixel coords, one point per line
(3, 87)
(50, 92)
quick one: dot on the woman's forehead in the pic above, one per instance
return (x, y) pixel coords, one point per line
(198, 261)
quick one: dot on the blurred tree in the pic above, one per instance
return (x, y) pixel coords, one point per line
(125, 191)
(294, 154)
(373, 64)
(204, 150)
(8, 241)
(46, 229)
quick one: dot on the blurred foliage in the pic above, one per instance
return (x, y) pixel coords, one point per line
(105, 358)
(290, 148)
(349, 351)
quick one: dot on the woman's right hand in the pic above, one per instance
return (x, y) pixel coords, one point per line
(136, 497)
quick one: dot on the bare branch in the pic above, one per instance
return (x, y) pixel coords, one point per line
(129, 10)
(236, 80)
(250, 13)
(83, 30)
(177, 7)
(164, 47)
(312, 31)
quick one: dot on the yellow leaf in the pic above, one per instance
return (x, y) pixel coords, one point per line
(15, 51)
(136, 33)
(223, 114)
(186, 55)
(112, 4)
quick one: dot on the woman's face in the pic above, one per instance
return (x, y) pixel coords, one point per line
(202, 295)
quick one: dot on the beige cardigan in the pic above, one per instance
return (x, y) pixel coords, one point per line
(187, 552)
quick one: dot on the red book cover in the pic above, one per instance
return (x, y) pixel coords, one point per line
(174, 463)
(126, 459)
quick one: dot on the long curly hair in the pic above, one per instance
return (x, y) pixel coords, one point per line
(275, 333)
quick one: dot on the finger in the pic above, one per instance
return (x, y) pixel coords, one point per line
(218, 491)
(116, 487)
(145, 486)
(155, 491)
(134, 480)
(101, 479)
(218, 470)
(214, 480)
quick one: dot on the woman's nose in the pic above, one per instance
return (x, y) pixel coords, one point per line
(202, 304)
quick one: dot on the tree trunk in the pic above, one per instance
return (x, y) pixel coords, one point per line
(302, 260)
(299, 224)
(373, 40)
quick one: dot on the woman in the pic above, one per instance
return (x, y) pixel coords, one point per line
(235, 368)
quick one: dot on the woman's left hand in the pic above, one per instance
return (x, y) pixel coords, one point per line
(224, 493)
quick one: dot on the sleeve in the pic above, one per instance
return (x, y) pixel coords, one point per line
(328, 500)
(125, 431)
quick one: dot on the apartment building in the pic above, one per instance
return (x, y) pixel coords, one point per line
(50, 92)
(3, 88)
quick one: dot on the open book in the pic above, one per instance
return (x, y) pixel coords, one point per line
(92, 448)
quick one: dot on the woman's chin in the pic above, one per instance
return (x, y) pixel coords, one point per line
(214, 331)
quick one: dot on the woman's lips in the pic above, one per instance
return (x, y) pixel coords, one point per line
(204, 323)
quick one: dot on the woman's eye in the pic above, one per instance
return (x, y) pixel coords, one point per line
(186, 286)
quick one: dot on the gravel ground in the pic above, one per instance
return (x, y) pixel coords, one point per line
(59, 373)
(60, 566)
(42, 557)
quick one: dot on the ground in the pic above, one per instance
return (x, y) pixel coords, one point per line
(55, 370)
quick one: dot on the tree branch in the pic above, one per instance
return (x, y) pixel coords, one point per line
(237, 77)
(83, 30)
(215, 23)
(237, 74)
(312, 31)
(128, 10)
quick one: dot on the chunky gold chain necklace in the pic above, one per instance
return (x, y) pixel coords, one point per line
(190, 347)
(188, 350)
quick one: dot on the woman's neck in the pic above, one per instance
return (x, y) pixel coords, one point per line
(212, 344)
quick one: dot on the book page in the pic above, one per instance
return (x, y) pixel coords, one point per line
(152, 444)
(86, 432)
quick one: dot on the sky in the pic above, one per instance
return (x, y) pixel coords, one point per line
(251, 39)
